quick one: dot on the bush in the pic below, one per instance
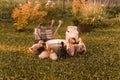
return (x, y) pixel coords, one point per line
(6, 7)
(53, 12)
(26, 13)
(56, 11)
(88, 13)
(113, 14)
(113, 11)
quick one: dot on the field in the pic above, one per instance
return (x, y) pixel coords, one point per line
(102, 61)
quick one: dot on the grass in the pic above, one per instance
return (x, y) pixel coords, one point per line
(102, 61)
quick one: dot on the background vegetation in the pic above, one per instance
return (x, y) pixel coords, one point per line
(102, 61)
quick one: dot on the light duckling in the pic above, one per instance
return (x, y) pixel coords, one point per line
(43, 55)
(37, 48)
(81, 48)
(52, 55)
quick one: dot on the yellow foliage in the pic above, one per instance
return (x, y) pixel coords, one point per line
(87, 8)
(88, 13)
(36, 14)
(15, 13)
(76, 6)
(25, 13)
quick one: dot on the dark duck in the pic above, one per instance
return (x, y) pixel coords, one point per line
(63, 51)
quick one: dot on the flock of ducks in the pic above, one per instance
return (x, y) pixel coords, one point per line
(70, 48)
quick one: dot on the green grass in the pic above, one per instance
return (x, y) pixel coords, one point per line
(102, 61)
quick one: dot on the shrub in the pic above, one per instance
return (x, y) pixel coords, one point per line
(6, 7)
(56, 11)
(113, 11)
(88, 13)
(113, 14)
(53, 11)
(26, 13)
